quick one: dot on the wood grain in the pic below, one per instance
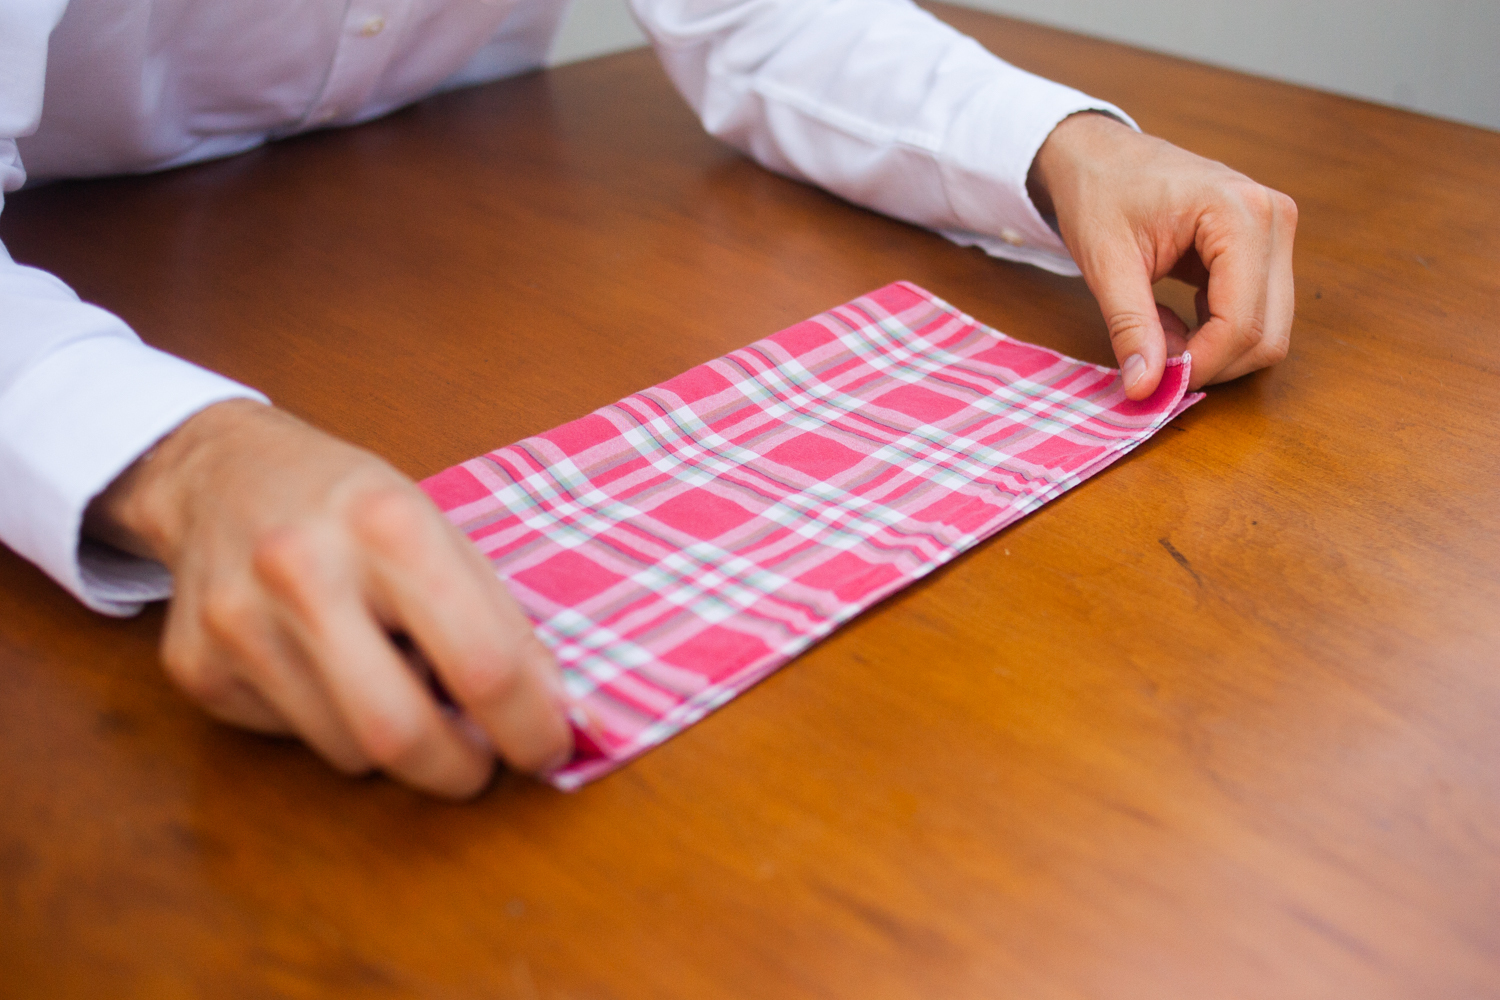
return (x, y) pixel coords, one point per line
(1223, 722)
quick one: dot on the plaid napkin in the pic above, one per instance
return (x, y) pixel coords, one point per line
(680, 545)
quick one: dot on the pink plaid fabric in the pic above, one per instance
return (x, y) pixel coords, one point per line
(678, 546)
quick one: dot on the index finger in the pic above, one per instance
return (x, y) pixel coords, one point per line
(1247, 250)
(446, 597)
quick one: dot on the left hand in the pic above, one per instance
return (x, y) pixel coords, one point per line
(1133, 209)
(297, 559)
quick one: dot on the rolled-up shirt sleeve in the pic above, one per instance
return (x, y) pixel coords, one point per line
(81, 397)
(878, 102)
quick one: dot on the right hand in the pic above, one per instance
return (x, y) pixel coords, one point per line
(1133, 209)
(296, 559)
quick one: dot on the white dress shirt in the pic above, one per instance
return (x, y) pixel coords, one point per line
(874, 100)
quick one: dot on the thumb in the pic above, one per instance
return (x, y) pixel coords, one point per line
(1122, 286)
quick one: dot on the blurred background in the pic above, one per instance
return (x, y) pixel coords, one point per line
(1439, 57)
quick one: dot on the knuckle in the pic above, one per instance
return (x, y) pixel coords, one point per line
(196, 674)
(389, 738)
(1275, 352)
(229, 614)
(487, 679)
(1286, 207)
(387, 516)
(284, 556)
(462, 788)
(1251, 334)
(1257, 201)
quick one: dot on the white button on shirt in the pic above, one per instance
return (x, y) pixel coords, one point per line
(873, 99)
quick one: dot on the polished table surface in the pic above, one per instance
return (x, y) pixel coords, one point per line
(1223, 721)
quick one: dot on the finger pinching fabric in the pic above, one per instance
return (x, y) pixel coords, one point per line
(678, 546)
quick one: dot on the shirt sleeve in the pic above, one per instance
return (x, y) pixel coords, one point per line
(878, 102)
(80, 396)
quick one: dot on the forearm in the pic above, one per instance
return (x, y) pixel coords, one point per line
(878, 102)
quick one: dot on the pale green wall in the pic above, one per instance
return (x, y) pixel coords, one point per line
(593, 28)
(1439, 56)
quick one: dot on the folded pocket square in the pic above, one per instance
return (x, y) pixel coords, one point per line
(678, 546)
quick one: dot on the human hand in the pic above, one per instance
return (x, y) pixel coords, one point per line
(296, 558)
(1133, 209)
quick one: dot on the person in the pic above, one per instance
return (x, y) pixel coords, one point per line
(295, 561)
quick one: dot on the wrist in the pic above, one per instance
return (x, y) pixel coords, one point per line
(1072, 142)
(144, 510)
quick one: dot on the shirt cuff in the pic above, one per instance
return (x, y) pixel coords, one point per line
(68, 427)
(987, 154)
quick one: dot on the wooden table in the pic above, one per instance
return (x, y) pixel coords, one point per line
(1224, 721)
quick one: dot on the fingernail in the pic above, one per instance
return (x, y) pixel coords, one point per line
(583, 720)
(1133, 370)
(557, 688)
